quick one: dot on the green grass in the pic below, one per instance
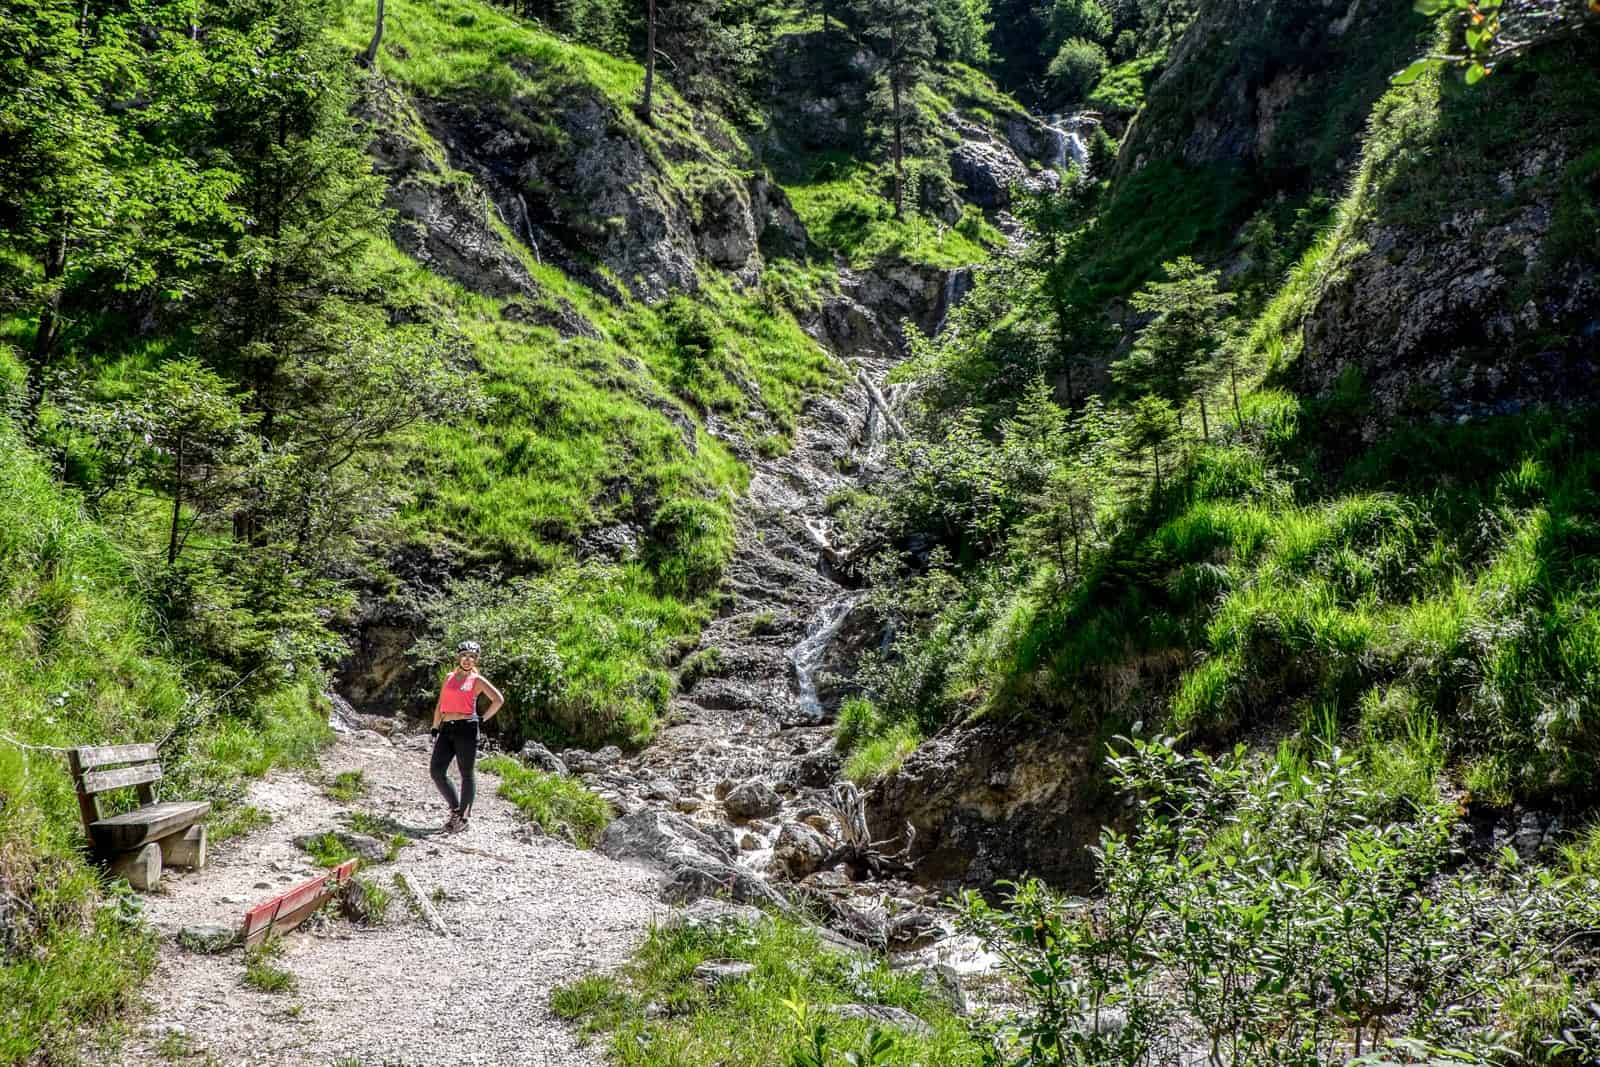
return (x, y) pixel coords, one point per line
(557, 805)
(1120, 91)
(347, 787)
(873, 743)
(882, 754)
(263, 972)
(845, 211)
(237, 822)
(655, 1014)
(327, 850)
(1438, 603)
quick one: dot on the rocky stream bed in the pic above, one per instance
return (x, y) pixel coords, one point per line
(739, 794)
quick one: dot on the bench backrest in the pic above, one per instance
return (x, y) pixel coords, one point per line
(107, 767)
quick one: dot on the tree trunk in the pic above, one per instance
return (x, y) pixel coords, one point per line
(1205, 424)
(899, 140)
(649, 60)
(371, 56)
(177, 504)
(1062, 341)
(55, 267)
(1155, 456)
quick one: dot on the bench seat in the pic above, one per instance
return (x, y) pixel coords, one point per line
(131, 829)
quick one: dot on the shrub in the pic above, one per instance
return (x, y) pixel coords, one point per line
(555, 804)
(690, 541)
(858, 720)
(1256, 902)
(1077, 66)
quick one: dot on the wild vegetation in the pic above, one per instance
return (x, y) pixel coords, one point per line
(780, 1011)
(243, 406)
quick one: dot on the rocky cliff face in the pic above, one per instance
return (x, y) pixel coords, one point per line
(1280, 87)
(1464, 279)
(990, 802)
(580, 185)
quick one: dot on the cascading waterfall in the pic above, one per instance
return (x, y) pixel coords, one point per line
(808, 655)
(1067, 146)
(956, 284)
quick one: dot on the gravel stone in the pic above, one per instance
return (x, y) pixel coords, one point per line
(526, 917)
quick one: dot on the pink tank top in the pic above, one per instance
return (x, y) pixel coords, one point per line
(460, 695)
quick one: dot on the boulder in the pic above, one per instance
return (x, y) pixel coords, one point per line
(988, 170)
(752, 799)
(713, 973)
(208, 939)
(692, 862)
(718, 915)
(884, 1015)
(538, 757)
(799, 850)
(913, 927)
(660, 790)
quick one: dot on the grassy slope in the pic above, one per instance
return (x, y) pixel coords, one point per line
(587, 433)
(1434, 593)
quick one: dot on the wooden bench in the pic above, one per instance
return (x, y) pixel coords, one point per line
(136, 843)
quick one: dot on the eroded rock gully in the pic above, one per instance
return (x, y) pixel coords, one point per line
(734, 793)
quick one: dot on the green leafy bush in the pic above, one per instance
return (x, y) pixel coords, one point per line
(1257, 904)
(1077, 66)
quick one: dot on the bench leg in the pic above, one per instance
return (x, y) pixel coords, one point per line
(187, 849)
(141, 867)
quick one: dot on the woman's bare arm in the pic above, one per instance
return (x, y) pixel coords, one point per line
(496, 698)
(438, 705)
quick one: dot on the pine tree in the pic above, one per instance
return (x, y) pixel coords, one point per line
(900, 32)
(1151, 426)
(1174, 350)
(1072, 322)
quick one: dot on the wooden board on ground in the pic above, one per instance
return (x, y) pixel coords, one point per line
(286, 910)
(409, 884)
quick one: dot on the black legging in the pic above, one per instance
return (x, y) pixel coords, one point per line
(457, 741)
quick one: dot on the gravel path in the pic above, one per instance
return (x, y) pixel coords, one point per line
(527, 913)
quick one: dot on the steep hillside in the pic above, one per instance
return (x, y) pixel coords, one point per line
(1386, 543)
(649, 310)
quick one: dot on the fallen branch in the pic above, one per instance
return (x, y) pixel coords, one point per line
(424, 908)
(883, 405)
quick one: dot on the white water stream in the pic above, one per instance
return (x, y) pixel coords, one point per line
(1067, 146)
(809, 654)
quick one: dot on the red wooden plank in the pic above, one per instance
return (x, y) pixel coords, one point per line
(284, 911)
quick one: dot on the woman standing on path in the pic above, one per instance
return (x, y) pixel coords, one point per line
(455, 731)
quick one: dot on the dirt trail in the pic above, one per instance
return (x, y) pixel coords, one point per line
(526, 915)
